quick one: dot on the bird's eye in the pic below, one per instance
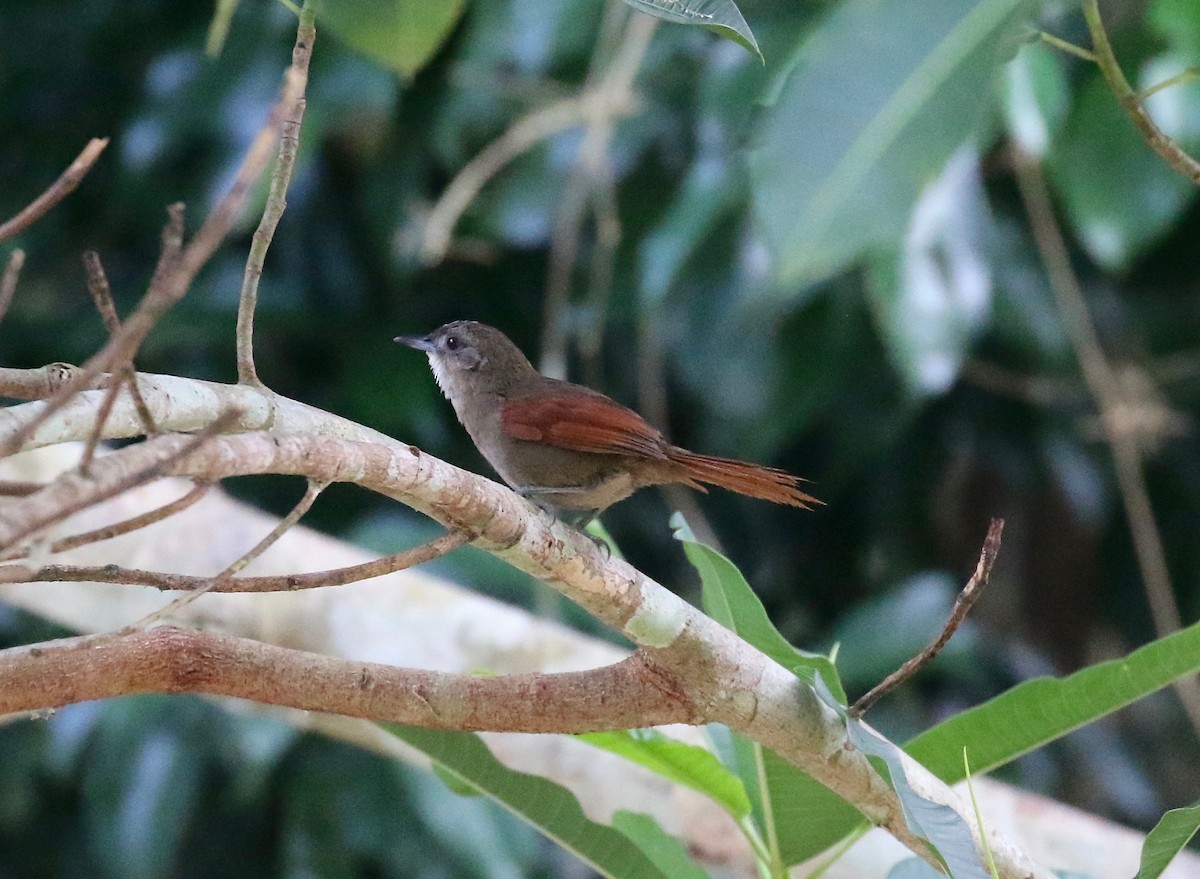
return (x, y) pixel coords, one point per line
(453, 343)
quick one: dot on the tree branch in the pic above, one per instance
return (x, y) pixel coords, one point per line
(703, 664)
(166, 659)
(962, 606)
(57, 191)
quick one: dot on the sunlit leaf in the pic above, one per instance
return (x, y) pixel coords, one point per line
(400, 34)
(1172, 832)
(688, 765)
(547, 806)
(720, 16)
(1039, 711)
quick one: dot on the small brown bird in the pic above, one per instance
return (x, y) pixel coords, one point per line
(567, 448)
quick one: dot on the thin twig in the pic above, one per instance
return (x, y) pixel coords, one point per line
(76, 494)
(400, 561)
(98, 286)
(962, 606)
(613, 91)
(8, 285)
(525, 133)
(1109, 395)
(289, 142)
(311, 492)
(126, 526)
(57, 191)
(97, 283)
(165, 291)
(1158, 141)
(1070, 48)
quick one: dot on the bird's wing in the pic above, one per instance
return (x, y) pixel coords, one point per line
(583, 422)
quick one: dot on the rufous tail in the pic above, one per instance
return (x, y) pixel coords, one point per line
(755, 480)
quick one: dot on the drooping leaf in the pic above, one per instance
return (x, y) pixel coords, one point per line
(807, 816)
(849, 145)
(1172, 832)
(1039, 711)
(667, 852)
(400, 34)
(943, 827)
(688, 765)
(720, 16)
(728, 599)
(547, 806)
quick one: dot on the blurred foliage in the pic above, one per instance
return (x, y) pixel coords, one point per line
(824, 265)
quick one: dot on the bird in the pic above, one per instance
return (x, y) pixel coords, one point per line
(568, 449)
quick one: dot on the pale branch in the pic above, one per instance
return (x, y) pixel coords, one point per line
(289, 143)
(1110, 397)
(628, 694)
(962, 606)
(169, 287)
(18, 487)
(311, 492)
(57, 191)
(8, 283)
(126, 526)
(1131, 101)
(708, 666)
(409, 558)
(73, 491)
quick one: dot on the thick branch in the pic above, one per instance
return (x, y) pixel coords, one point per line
(170, 660)
(708, 667)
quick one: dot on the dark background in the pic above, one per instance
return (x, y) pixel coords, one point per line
(812, 377)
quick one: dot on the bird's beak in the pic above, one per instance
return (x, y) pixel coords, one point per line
(421, 343)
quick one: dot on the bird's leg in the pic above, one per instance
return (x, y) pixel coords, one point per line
(577, 519)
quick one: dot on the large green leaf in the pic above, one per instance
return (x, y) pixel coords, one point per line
(1044, 709)
(1173, 831)
(720, 16)
(549, 807)
(688, 765)
(400, 34)
(800, 816)
(879, 98)
(665, 850)
(728, 599)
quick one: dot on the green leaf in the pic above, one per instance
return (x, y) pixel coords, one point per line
(878, 100)
(547, 806)
(805, 817)
(943, 827)
(1119, 196)
(1039, 711)
(667, 852)
(1172, 832)
(400, 34)
(720, 16)
(728, 599)
(688, 765)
